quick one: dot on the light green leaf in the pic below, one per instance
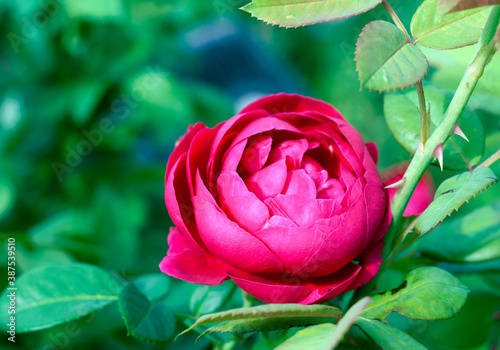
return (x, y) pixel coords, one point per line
(451, 194)
(143, 311)
(472, 238)
(460, 5)
(386, 60)
(269, 311)
(95, 10)
(388, 337)
(265, 324)
(52, 294)
(403, 118)
(447, 31)
(207, 299)
(294, 13)
(427, 293)
(311, 338)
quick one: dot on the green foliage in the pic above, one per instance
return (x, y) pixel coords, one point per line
(447, 31)
(471, 238)
(427, 293)
(385, 60)
(388, 337)
(52, 294)
(146, 315)
(451, 194)
(269, 311)
(403, 118)
(293, 13)
(315, 337)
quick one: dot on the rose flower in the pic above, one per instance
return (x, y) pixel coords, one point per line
(284, 199)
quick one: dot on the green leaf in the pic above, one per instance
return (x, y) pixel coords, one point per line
(427, 293)
(143, 311)
(472, 238)
(388, 337)
(447, 31)
(451, 194)
(269, 311)
(294, 13)
(460, 5)
(52, 294)
(207, 299)
(347, 321)
(403, 118)
(311, 338)
(265, 324)
(385, 60)
(95, 10)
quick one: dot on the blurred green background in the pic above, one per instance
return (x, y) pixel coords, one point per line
(93, 95)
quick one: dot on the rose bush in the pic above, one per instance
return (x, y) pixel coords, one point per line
(284, 198)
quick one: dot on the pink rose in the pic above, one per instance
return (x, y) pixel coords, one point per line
(284, 198)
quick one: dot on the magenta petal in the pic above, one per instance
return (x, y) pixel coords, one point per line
(347, 240)
(300, 183)
(370, 261)
(293, 245)
(232, 244)
(248, 211)
(269, 290)
(328, 287)
(373, 150)
(256, 154)
(188, 262)
(375, 196)
(183, 144)
(269, 181)
(294, 149)
(232, 157)
(332, 188)
(299, 209)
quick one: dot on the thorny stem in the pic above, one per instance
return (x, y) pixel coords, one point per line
(492, 159)
(424, 116)
(482, 55)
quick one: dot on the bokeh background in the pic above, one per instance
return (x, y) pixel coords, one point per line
(94, 94)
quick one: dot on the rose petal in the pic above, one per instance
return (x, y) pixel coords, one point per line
(332, 188)
(294, 149)
(183, 144)
(269, 181)
(256, 154)
(188, 262)
(300, 183)
(293, 245)
(301, 210)
(267, 290)
(370, 261)
(375, 196)
(232, 244)
(373, 150)
(197, 156)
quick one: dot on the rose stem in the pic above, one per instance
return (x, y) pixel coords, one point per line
(424, 116)
(484, 51)
(491, 160)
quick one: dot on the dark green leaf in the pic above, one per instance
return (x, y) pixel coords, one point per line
(472, 238)
(403, 118)
(460, 5)
(52, 294)
(294, 13)
(427, 293)
(269, 311)
(386, 60)
(311, 338)
(388, 337)
(146, 317)
(447, 31)
(451, 194)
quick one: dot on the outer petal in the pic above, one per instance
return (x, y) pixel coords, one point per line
(292, 103)
(370, 261)
(286, 289)
(188, 262)
(232, 244)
